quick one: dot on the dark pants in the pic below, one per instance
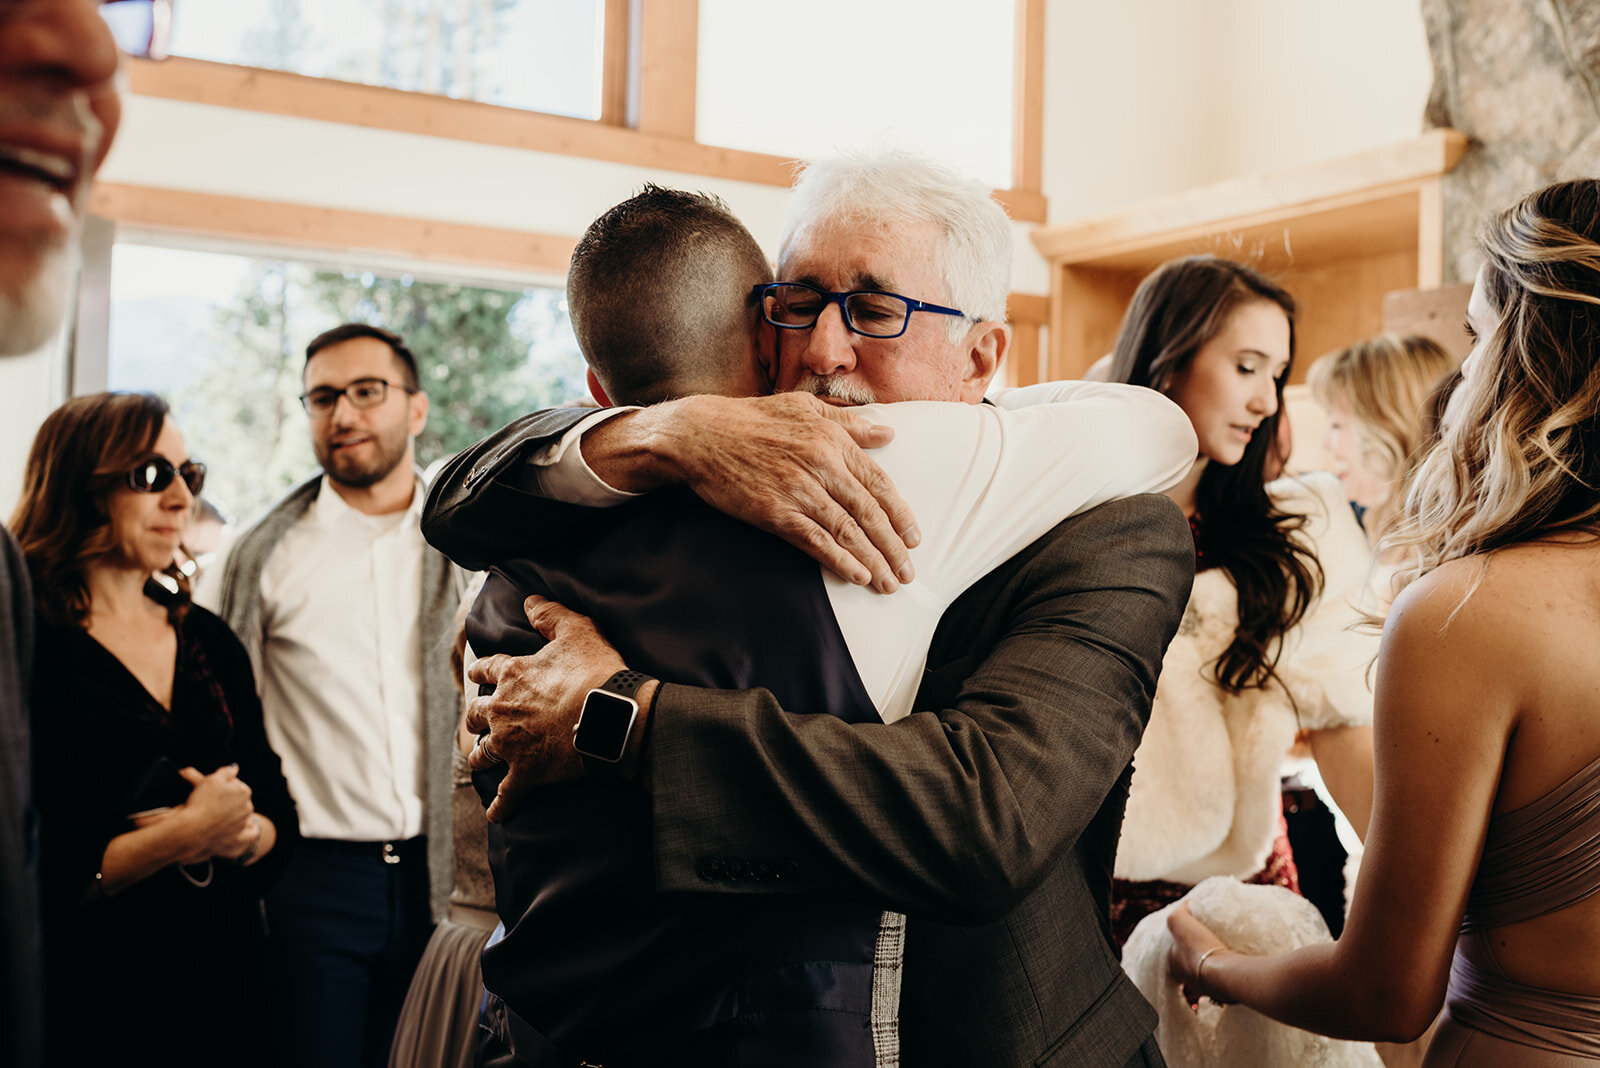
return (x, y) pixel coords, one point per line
(345, 929)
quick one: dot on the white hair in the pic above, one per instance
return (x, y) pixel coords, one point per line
(896, 187)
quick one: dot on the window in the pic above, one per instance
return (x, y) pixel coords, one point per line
(539, 55)
(806, 81)
(222, 336)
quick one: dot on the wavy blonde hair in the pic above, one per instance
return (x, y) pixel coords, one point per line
(1522, 460)
(1384, 383)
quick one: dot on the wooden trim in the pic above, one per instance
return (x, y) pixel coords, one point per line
(1021, 366)
(1027, 119)
(1258, 200)
(615, 63)
(306, 226)
(1430, 235)
(1028, 308)
(276, 93)
(669, 46)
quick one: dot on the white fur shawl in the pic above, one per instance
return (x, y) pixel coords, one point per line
(1205, 796)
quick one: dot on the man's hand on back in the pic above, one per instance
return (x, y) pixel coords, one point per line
(788, 464)
(527, 722)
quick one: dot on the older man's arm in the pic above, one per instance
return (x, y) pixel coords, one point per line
(953, 813)
(788, 464)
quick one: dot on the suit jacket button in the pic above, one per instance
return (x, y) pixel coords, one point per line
(709, 869)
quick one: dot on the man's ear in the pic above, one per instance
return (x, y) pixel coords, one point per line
(767, 353)
(986, 343)
(419, 413)
(596, 390)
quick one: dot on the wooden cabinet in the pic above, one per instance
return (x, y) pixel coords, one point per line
(1340, 236)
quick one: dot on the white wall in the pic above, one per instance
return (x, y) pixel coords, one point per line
(30, 388)
(1144, 98)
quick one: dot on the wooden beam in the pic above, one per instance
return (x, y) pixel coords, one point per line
(1028, 308)
(669, 45)
(330, 229)
(1027, 116)
(1259, 199)
(615, 64)
(276, 93)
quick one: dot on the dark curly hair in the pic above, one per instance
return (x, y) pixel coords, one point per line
(79, 457)
(1180, 307)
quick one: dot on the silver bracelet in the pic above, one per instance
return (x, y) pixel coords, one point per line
(1200, 966)
(250, 853)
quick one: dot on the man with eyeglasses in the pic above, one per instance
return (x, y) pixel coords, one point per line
(989, 817)
(59, 111)
(346, 613)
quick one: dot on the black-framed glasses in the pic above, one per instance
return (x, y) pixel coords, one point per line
(362, 393)
(156, 474)
(868, 312)
(142, 28)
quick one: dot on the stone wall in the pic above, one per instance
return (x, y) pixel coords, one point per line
(1521, 78)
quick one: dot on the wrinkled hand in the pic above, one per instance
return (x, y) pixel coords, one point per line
(527, 723)
(1190, 940)
(219, 812)
(795, 467)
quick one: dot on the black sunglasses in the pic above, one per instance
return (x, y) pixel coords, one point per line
(156, 474)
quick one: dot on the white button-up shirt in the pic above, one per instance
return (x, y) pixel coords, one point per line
(341, 666)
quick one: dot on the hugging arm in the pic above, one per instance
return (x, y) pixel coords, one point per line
(1040, 683)
(789, 464)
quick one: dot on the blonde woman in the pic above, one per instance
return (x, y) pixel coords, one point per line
(1374, 393)
(1481, 885)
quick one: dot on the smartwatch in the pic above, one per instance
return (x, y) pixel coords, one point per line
(606, 722)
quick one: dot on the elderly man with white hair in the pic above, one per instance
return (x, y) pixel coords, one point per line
(988, 814)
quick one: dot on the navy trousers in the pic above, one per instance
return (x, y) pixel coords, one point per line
(346, 924)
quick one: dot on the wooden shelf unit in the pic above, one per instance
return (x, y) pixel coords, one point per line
(1339, 236)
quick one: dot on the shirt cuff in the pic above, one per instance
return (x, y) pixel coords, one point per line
(564, 475)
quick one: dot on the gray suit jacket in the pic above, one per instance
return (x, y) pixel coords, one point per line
(991, 819)
(21, 1011)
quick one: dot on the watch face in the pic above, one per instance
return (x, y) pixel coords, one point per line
(604, 726)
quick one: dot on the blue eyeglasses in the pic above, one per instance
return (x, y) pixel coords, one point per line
(142, 28)
(868, 312)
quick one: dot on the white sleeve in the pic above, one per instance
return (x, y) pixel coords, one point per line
(986, 480)
(564, 475)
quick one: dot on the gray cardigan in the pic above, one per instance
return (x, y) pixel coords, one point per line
(442, 585)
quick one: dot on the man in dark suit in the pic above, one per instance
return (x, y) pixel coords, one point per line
(58, 113)
(990, 819)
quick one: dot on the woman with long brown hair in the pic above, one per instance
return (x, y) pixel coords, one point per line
(1263, 652)
(161, 804)
(1481, 883)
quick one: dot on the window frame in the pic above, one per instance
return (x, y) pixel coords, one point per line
(648, 86)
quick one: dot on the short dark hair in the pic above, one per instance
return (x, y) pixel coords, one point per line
(351, 331)
(660, 292)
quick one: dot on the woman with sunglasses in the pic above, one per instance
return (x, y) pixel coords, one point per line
(161, 804)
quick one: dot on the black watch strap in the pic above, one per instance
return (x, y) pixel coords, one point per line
(624, 684)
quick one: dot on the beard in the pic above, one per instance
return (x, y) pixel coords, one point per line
(837, 387)
(349, 470)
(31, 313)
